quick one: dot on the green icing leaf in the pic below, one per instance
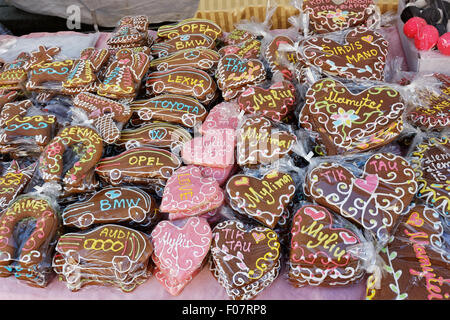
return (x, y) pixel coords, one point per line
(402, 296)
(397, 274)
(393, 287)
(393, 255)
(388, 268)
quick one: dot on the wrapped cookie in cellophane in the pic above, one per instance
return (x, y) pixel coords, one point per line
(347, 117)
(25, 129)
(70, 157)
(188, 193)
(142, 167)
(325, 16)
(428, 102)
(29, 229)
(245, 258)
(354, 54)
(129, 206)
(430, 158)
(107, 255)
(181, 250)
(130, 32)
(372, 190)
(416, 260)
(190, 26)
(325, 249)
(13, 75)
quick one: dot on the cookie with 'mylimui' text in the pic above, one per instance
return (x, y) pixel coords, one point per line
(431, 162)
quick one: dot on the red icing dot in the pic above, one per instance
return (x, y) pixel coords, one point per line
(443, 44)
(412, 26)
(426, 38)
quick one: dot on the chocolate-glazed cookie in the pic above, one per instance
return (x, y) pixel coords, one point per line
(374, 201)
(198, 58)
(430, 161)
(182, 42)
(416, 260)
(190, 26)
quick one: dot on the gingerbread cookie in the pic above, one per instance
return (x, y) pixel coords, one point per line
(329, 16)
(431, 109)
(416, 261)
(26, 256)
(362, 55)
(7, 96)
(88, 147)
(374, 199)
(180, 109)
(158, 135)
(198, 58)
(235, 75)
(13, 182)
(182, 42)
(345, 122)
(258, 142)
(250, 49)
(182, 81)
(279, 58)
(274, 103)
(238, 36)
(245, 259)
(180, 251)
(188, 193)
(107, 255)
(139, 166)
(131, 31)
(190, 26)
(14, 75)
(263, 199)
(321, 251)
(430, 162)
(111, 205)
(123, 77)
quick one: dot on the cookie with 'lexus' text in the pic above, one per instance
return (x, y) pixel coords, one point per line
(386, 186)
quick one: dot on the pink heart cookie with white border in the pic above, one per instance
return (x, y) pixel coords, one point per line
(225, 115)
(181, 250)
(214, 149)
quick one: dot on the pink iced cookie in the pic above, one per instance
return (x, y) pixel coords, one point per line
(215, 203)
(221, 175)
(225, 115)
(179, 250)
(214, 149)
(187, 189)
(171, 285)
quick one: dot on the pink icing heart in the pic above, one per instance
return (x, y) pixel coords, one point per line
(415, 220)
(223, 116)
(348, 239)
(171, 285)
(205, 208)
(187, 189)
(315, 214)
(214, 149)
(369, 184)
(180, 251)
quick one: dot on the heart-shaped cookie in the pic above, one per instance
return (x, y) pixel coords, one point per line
(431, 162)
(361, 56)
(415, 260)
(234, 74)
(319, 251)
(374, 201)
(330, 15)
(187, 190)
(243, 257)
(215, 149)
(262, 199)
(258, 142)
(238, 36)
(225, 115)
(345, 122)
(274, 102)
(181, 250)
(249, 49)
(279, 57)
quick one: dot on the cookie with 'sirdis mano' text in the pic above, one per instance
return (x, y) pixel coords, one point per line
(263, 199)
(374, 198)
(320, 252)
(244, 259)
(347, 122)
(430, 161)
(416, 260)
(362, 55)
(180, 249)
